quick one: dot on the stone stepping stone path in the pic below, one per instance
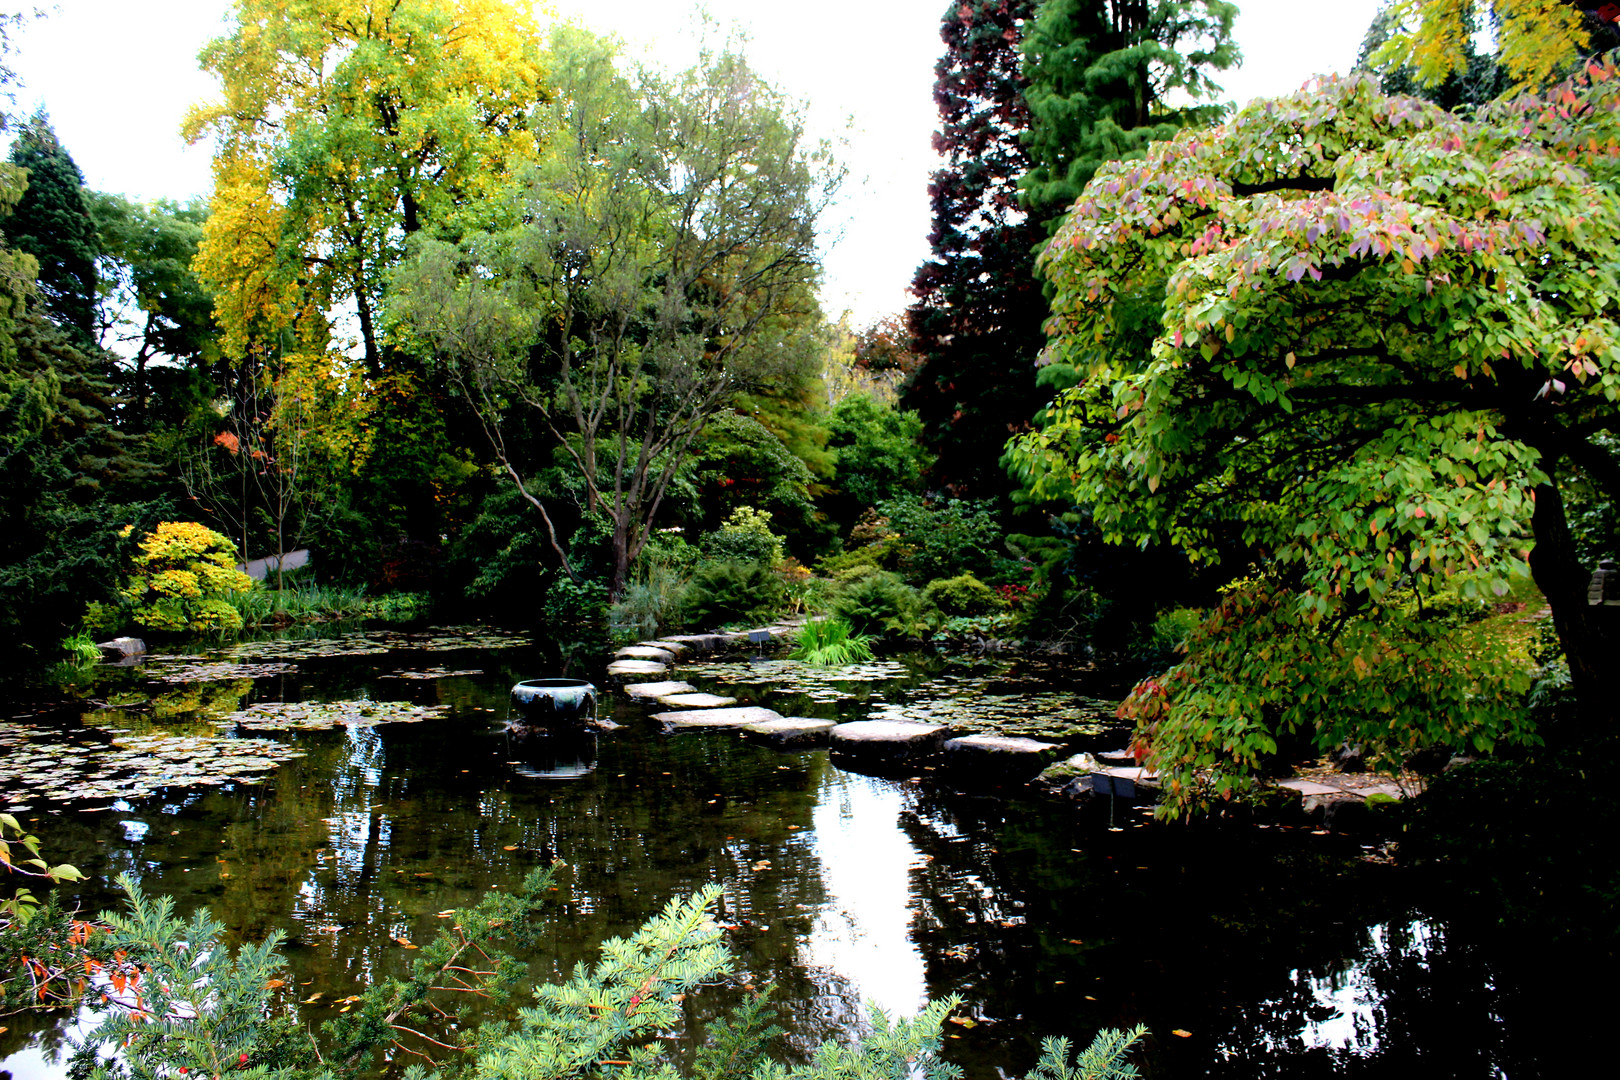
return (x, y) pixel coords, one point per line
(621, 668)
(791, 732)
(696, 701)
(888, 742)
(656, 690)
(999, 757)
(645, 652)
(701, 643)
(679, 649)
(714, 719)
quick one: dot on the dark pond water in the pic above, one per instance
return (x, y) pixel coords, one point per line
(1247, 951)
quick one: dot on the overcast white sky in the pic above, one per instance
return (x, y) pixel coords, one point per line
(117, 76)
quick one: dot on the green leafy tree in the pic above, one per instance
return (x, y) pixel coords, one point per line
(1105, 77)
(1538, 41)
(184, 576)
(153, 306)
(1369, 342)
(51, 221)
(667, 237)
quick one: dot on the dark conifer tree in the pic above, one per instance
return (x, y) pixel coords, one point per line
(977, 319)
(52, 223)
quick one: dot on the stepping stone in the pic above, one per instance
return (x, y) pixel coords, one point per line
(680, 649)
(797, 732)
(1117, 757)
(696, 701)
(888, 741)
(703, 643)
(715, 719)
(1310, 787)
(1125, 781)
(645, 652)
(621, 668)
(995, 758)
(657, 690)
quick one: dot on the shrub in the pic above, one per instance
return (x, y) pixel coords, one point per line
(746, 537)
(879, 603)
(944, 539)
(185, 576)
(572, 603)
(963, 595)
(729, 592)
(831, 643)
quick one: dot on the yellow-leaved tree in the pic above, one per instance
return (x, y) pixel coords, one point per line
(343, 127)
(1538, 41)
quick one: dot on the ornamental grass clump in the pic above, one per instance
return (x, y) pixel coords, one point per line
(832, 643)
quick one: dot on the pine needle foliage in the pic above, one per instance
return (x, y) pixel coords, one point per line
(1104, 1059)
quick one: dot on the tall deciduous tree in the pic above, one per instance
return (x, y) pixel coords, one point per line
(1105, 77)
(1538, 41)
(345, 127)
(51, 221)
(1374, 341)
(976, 322)
(665, 262)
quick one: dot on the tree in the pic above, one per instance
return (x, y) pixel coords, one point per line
(1103, 76)
(1370, 342)
(345, 127)
(152, 302)
(51, 221)
(1538, 41)
(1479, 79)
(977, 320)
(666, 249)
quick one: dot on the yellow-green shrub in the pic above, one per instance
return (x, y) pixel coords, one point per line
(183, 576)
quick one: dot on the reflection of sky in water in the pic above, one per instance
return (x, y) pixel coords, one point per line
(862, 934)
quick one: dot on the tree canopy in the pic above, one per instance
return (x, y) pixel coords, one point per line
(1365, 342)
(665, 262)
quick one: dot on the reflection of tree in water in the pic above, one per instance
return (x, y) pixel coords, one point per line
(1241, 936)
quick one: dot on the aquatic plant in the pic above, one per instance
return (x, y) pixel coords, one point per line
(831, 643)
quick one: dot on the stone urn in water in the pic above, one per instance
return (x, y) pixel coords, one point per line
(552, 705)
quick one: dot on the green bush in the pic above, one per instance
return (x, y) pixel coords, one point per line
(963, 595)
(945, 539)
(746, 537)
(571, 603)
(731, 592)
(879, 603)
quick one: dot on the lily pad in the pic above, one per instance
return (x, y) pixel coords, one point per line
(322, 715)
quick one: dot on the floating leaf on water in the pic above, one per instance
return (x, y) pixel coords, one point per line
(321, 715)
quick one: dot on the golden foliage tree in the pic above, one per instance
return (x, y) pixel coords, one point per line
(343, 127)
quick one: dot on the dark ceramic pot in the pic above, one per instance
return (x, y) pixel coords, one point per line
(554, 703)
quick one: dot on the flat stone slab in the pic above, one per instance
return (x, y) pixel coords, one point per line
(655, 690)
(680, 649)
(714, 719)
(703, 643)
(645, 652)
(998, 758)
(637, 667)
(695, 701)
(888, 736)
(1125, 781)
(1310, 787)
(791, 731)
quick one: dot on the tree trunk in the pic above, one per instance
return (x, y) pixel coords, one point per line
(1586, 632)
(621, 561)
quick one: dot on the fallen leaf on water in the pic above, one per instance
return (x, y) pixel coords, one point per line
(313, 998)
(424, 873)
(964, 1021)
(350, 1000)
(510, 847)
(275, 984)
(1185, 1034)
(402, 941)
(763, 864)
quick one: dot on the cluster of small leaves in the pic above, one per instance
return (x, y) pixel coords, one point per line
(21, 904)
(1104, 1059)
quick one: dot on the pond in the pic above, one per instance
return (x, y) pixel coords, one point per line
(392, 793)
